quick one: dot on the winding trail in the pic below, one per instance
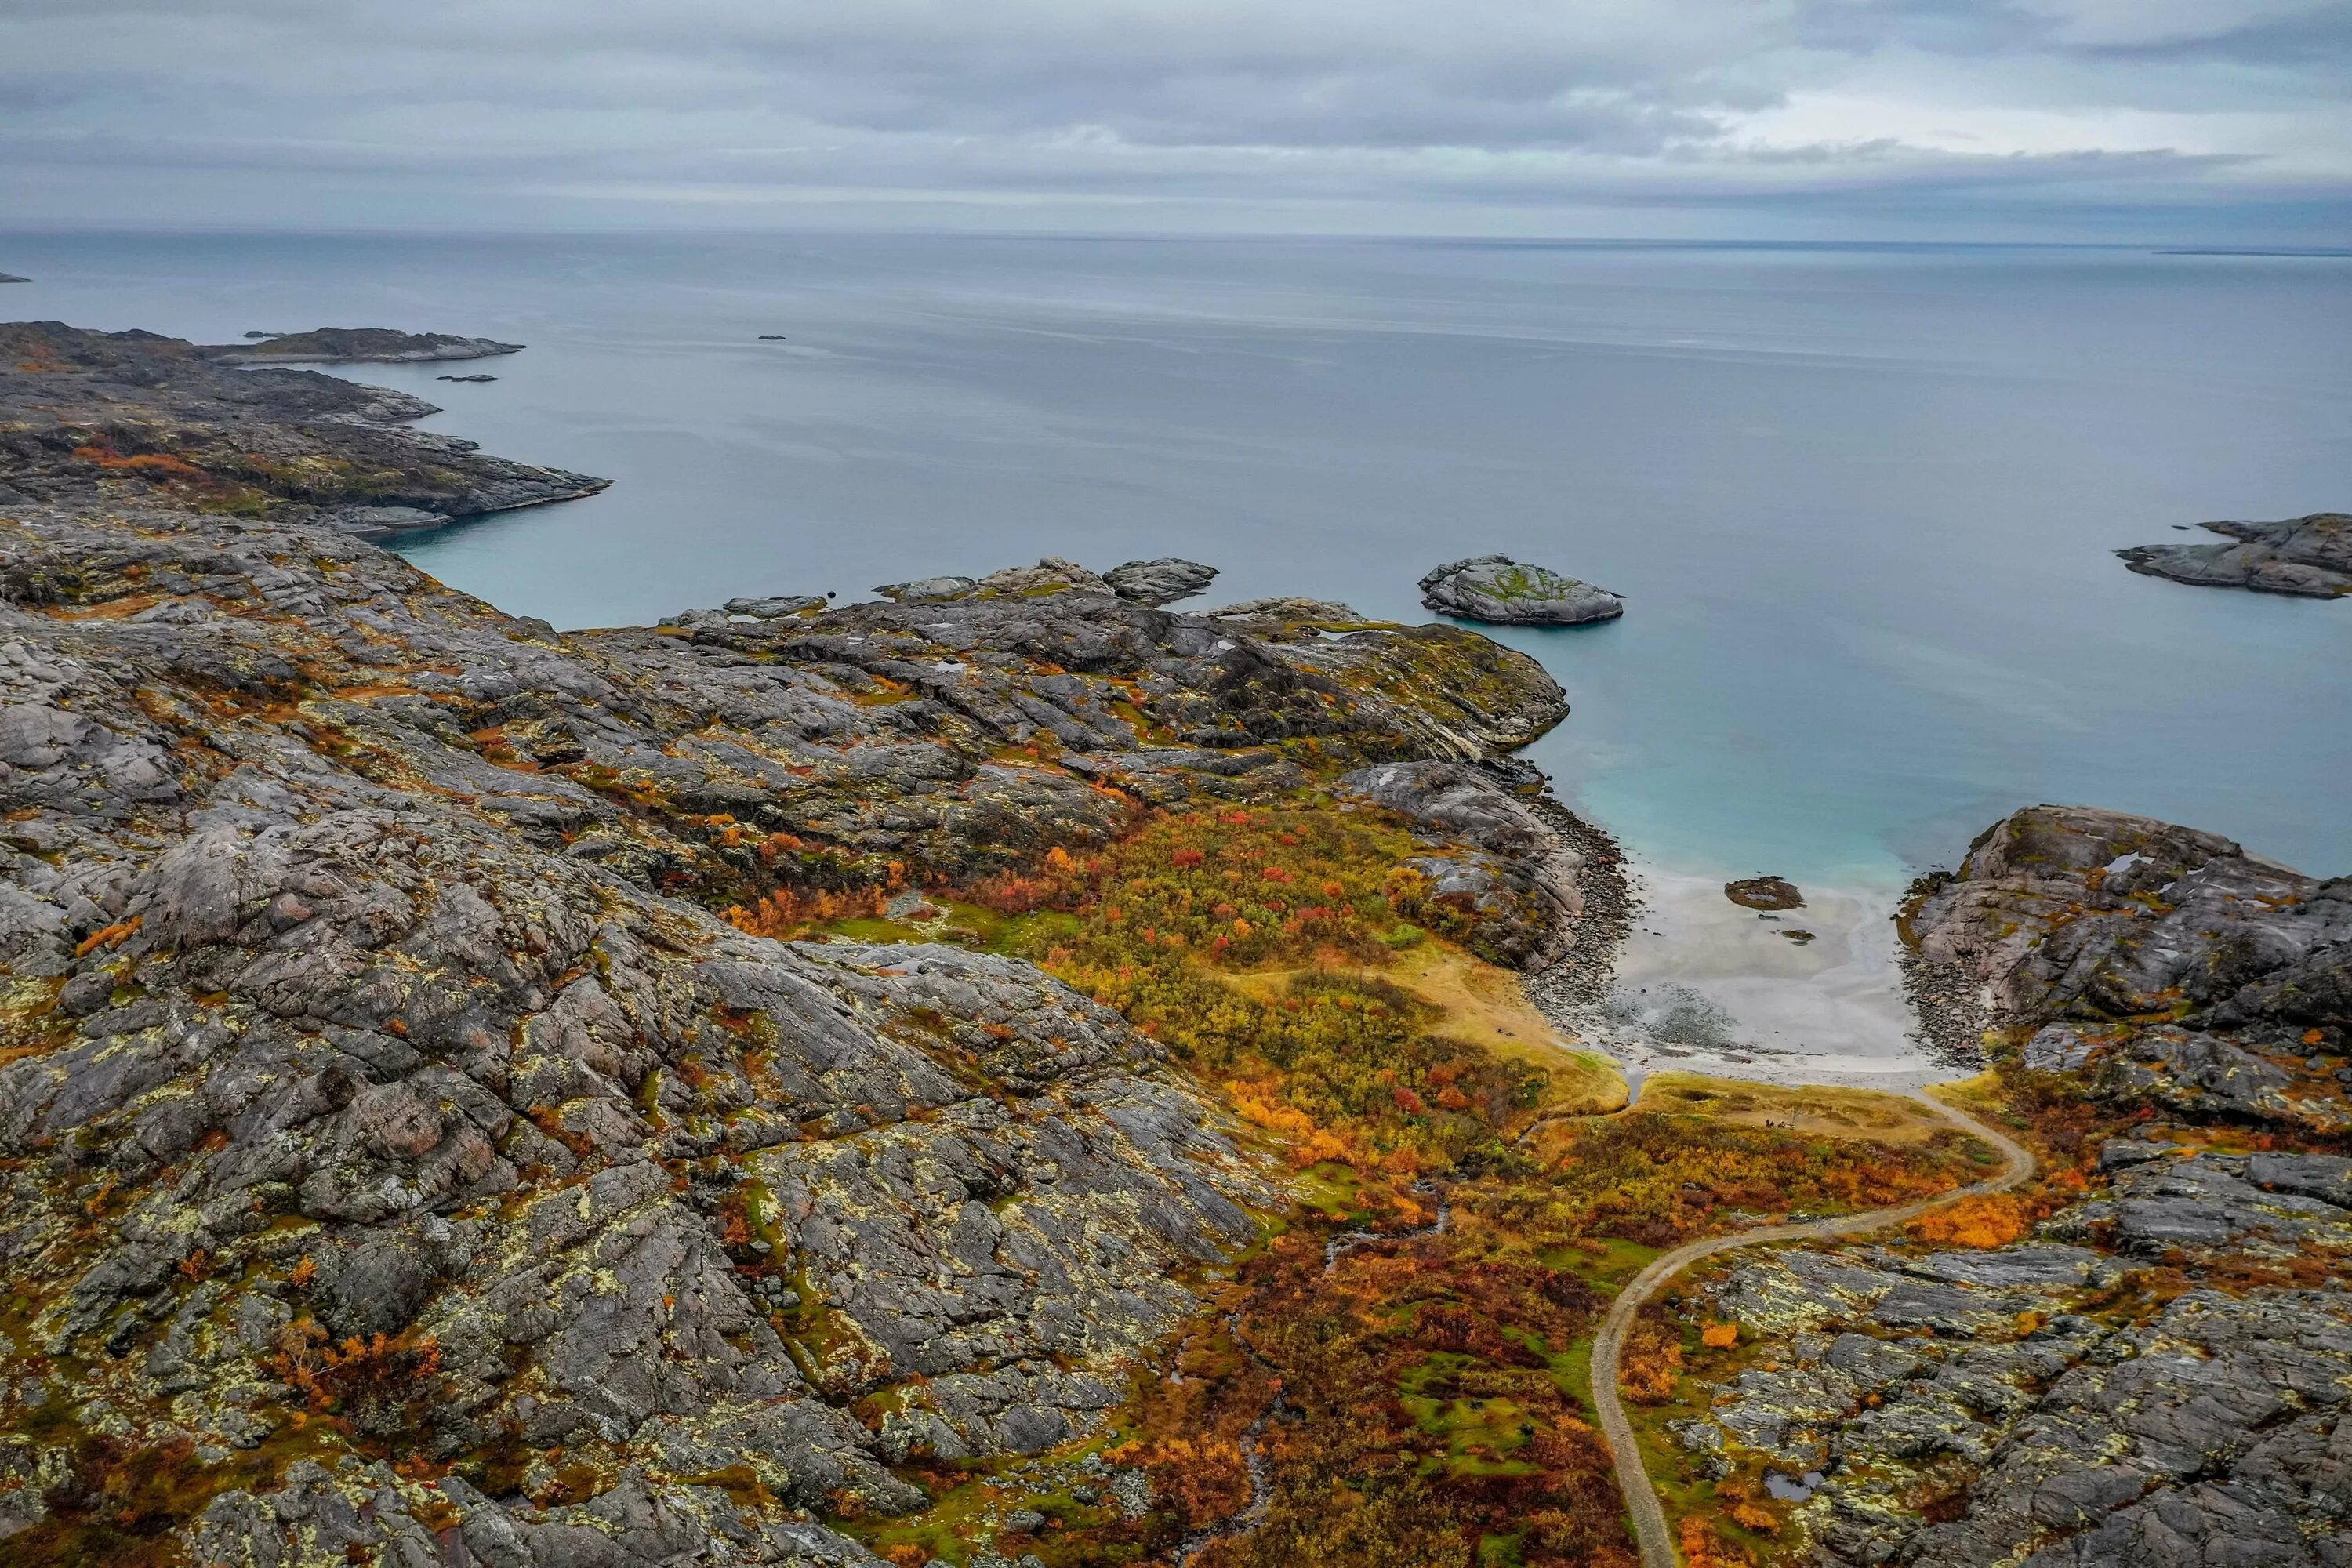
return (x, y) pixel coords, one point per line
(1609, 1344)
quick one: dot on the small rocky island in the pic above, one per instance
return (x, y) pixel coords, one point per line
(2307, 556)
(351, 345)
(1501, 591)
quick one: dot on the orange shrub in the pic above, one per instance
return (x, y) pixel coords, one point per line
(789, 913)
(1984, 1222)
(1652, 1362)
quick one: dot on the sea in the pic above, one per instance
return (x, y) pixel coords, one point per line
(1861, 501)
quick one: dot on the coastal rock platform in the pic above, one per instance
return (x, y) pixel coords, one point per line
(2310, 557)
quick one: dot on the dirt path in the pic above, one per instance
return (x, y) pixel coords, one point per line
(1609, 1346)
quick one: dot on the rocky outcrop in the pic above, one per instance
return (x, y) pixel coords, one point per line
(2040, 1435)
(1978, 1408)
(1490, 851)
(350, 345)
(776, 606)
(375, 1082)
(2309, 556)
(1499, 589)
(1160, 582)
(2208, 977)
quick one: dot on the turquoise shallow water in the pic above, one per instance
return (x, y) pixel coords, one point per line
(1861, 501)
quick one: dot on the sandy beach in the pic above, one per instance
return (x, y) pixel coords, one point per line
(1811, 995)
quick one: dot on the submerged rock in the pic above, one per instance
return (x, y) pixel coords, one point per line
(1499, 589)
(1162, 582)
(2308, 557)
(1764, 893)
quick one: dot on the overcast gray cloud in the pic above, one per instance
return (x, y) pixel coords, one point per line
(2009, 118)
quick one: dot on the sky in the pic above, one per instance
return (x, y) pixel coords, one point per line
(2196, 122)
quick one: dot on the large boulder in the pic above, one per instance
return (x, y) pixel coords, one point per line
(1162, 582)
(1499, 589)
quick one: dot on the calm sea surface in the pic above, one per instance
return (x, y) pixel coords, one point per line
(1861, 501)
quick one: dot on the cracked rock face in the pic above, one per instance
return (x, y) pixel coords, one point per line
(1998, 1424)
(2170, 965)
(376, 1084)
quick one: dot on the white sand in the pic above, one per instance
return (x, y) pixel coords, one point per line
(1706, 986)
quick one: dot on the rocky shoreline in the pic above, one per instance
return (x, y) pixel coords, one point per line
(372, 1049)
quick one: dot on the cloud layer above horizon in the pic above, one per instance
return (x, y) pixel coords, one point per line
(2016, 119)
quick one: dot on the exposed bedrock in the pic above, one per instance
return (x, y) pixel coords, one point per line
(2169, 964)
(2307, 556)
(358, 979)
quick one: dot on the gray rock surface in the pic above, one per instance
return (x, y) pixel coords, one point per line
(1493, 852)
(2308, 557)
(929, 589)
(1160, 582)
(2086, 926)
(1496, 588)
(2040, 1435)
(776, 606)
